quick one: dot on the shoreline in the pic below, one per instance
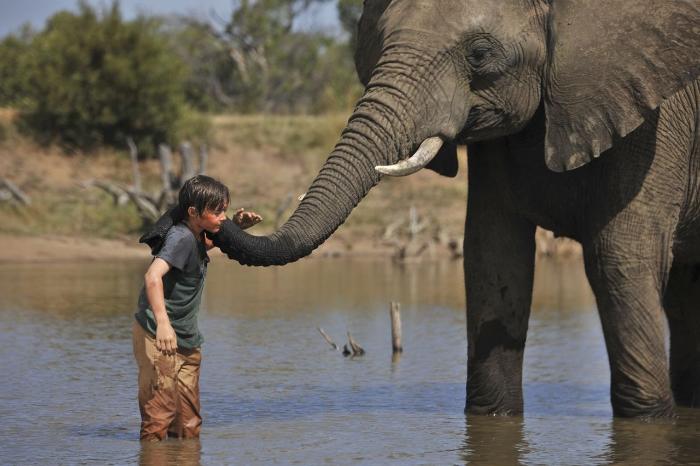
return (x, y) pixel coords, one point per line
(42, 249)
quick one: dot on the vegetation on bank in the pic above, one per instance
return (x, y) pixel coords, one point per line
(268, 100)
(267, 160)
(90, 78)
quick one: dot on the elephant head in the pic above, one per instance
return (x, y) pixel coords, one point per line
(447, 71)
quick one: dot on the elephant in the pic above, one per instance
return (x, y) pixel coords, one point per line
(579, 116)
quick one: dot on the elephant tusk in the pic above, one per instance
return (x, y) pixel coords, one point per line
(425, 153)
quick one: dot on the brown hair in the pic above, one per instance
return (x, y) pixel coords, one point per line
(203, 192)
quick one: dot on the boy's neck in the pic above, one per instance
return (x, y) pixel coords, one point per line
(194, 228)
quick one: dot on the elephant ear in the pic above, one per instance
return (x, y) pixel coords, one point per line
(611, 64)
(445, 162)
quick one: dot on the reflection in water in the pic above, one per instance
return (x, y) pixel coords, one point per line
(90, 290)
(632, 440)
(327, 284)
(180, 452)
(273, 391)
(493, 440)
(561, 285)
(72, 290)
(656, 442)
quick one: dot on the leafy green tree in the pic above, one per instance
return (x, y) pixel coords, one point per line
(207, 63)
(12, 49)
(93, 78)
(269, 65)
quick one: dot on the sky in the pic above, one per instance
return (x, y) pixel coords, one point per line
(14, 13)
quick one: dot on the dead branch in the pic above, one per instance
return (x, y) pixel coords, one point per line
(354, 349)
(391, 229)
(146, 208)
(14, 191)
(415, 223)
(118, 193)
(327, 338)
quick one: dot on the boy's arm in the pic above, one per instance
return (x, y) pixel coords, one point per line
(166, 341)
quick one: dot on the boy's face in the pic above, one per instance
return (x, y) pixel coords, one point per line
(210, 220)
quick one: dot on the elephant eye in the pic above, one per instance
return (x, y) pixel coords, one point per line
(485, 55)
(477, 57)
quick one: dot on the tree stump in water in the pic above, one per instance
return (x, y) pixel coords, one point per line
(395, 313)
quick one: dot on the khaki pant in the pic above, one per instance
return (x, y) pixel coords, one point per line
(168, 389)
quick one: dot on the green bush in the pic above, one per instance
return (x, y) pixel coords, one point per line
(12, 49)
(93, 79)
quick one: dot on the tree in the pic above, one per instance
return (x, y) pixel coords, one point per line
(271, 66)
(95, 79)
(12, 49)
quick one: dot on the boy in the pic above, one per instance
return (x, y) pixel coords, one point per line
(165, 335)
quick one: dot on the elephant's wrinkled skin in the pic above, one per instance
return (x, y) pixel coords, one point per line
(538, 90)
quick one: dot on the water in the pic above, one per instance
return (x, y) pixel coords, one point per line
(273, 391)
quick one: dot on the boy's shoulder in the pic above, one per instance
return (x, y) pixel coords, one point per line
(179, 248)
(180, 233)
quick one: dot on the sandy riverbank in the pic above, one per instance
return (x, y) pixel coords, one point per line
(29, 249)
(42, 249)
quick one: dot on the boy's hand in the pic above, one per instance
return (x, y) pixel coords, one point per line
(246, 219)
(166, 341)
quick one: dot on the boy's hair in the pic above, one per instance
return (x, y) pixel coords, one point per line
(203, 192)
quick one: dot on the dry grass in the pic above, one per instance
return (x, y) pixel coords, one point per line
(263, 158)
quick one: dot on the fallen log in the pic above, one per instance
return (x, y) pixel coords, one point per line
(118, 193)
(15, 192)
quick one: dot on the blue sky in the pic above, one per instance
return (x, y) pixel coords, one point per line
(14, 13)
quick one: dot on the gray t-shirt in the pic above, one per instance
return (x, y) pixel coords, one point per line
(182, 286)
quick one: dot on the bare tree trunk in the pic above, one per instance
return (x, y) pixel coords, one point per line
(187, 162)
(166, 167)
(395, 313)
(203, 158)
(134, 153)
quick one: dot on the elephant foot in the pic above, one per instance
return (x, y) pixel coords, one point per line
(493, 410)
(493, 403)
(659, 408)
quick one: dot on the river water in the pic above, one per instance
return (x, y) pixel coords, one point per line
(274, 392)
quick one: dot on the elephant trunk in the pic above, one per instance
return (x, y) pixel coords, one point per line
(398, 111)
(348, 174)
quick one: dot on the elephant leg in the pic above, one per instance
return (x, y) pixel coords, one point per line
(628, 271)
(499, 251)
(682, 303)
